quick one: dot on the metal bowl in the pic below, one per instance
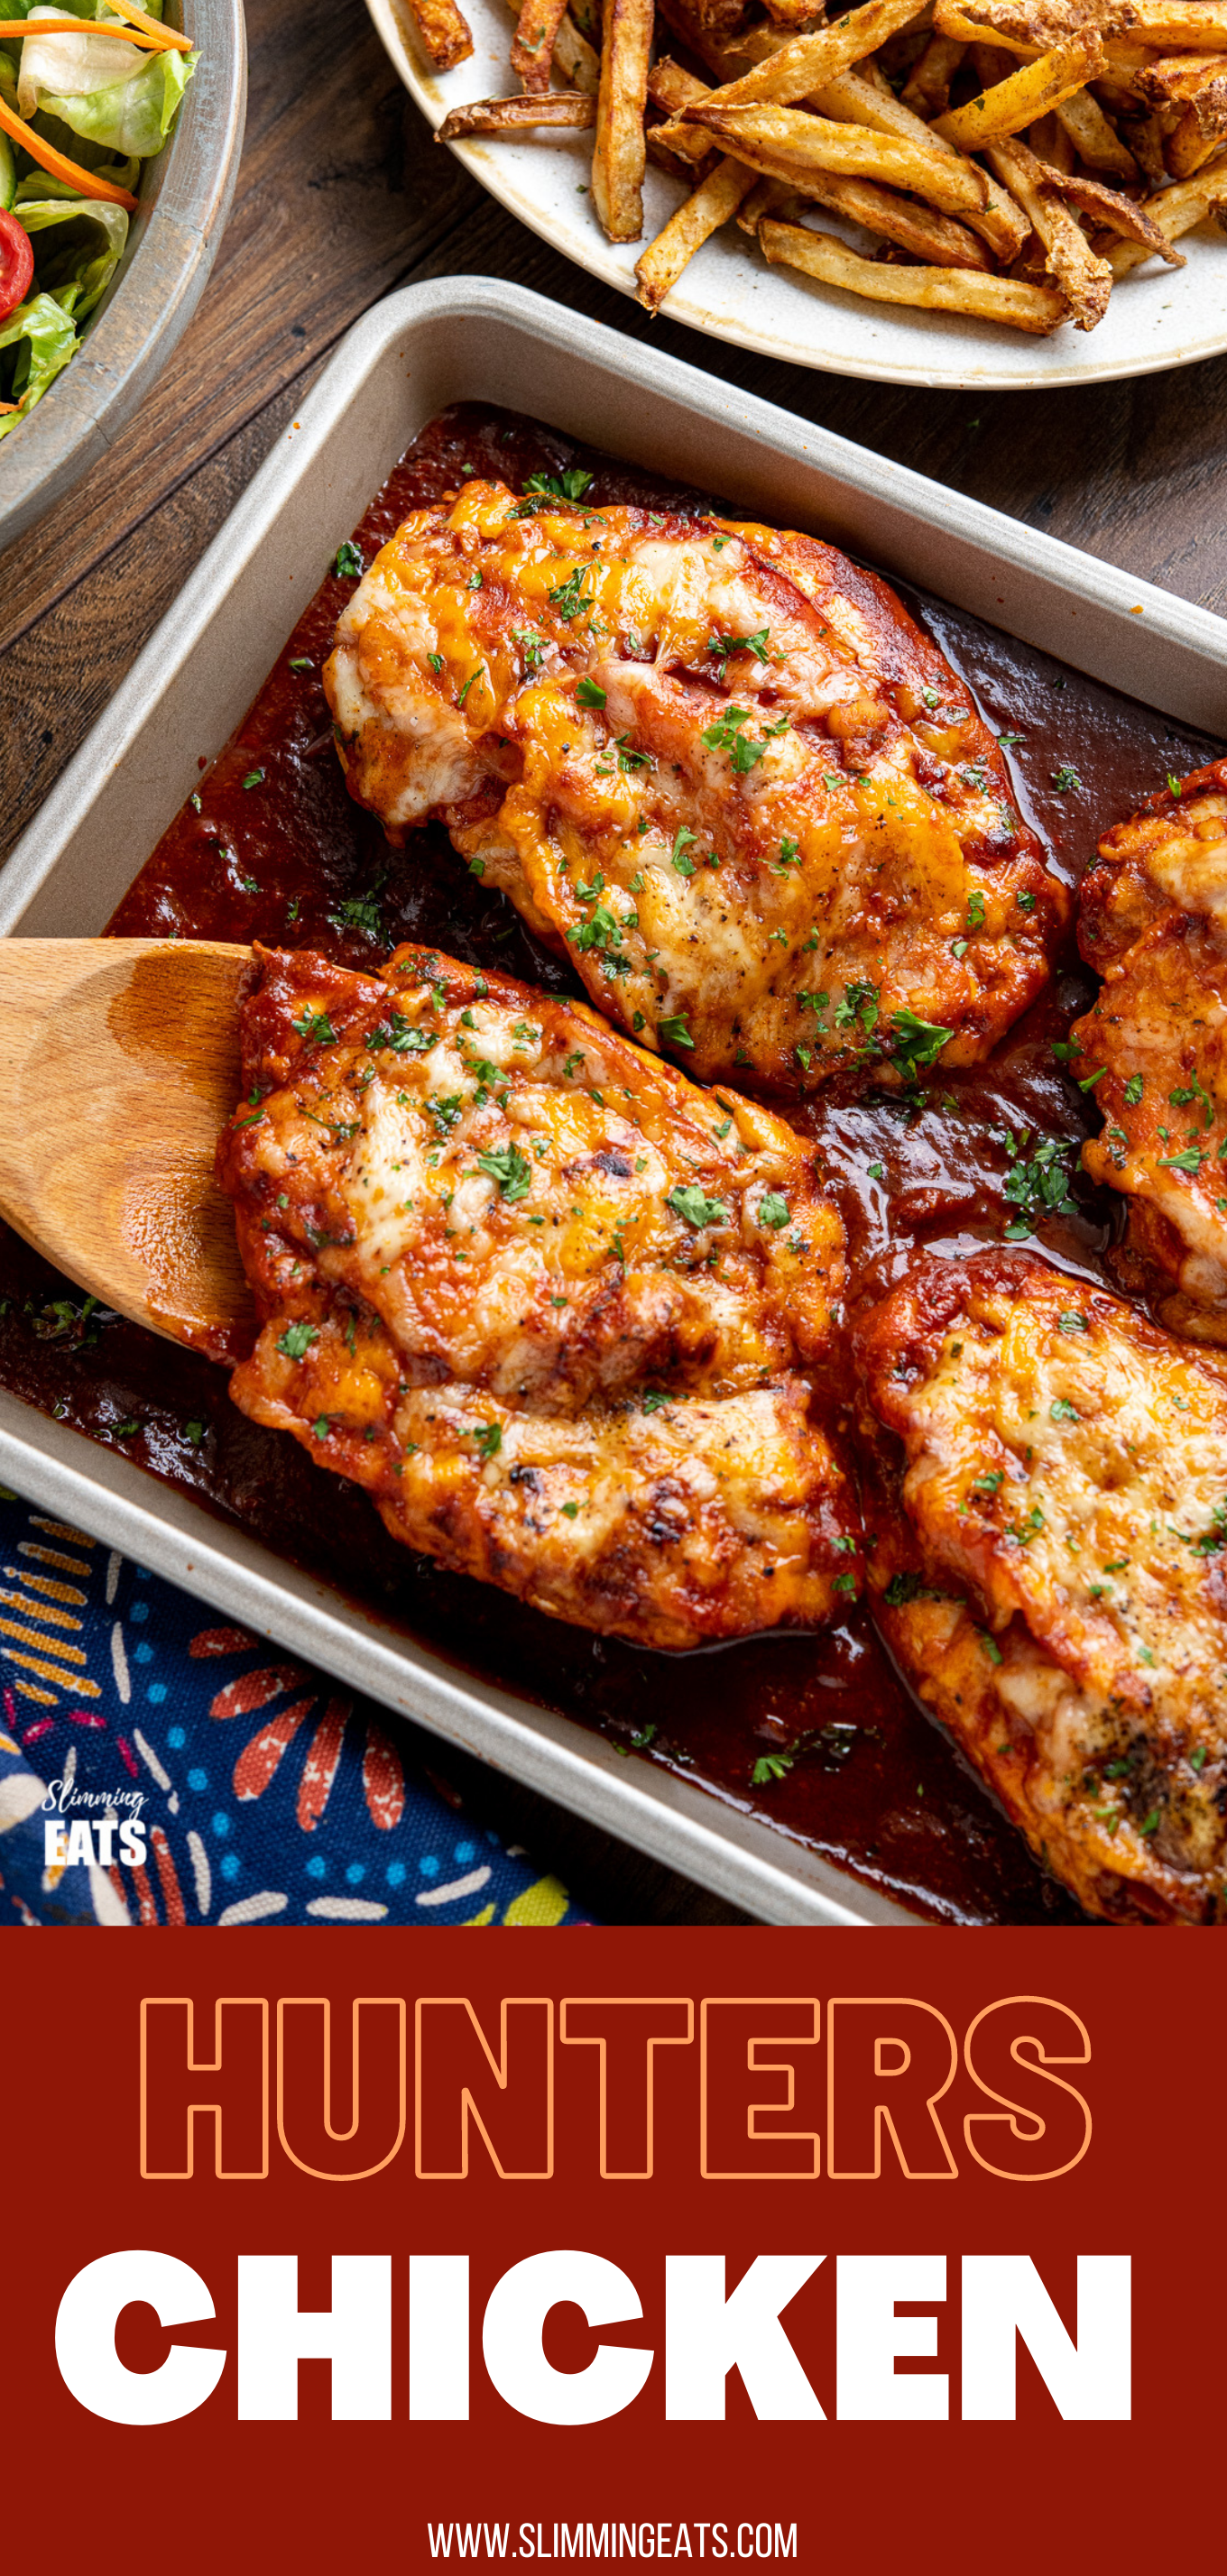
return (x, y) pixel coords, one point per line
(184, 201)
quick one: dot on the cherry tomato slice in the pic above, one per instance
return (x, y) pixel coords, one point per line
(16, 264)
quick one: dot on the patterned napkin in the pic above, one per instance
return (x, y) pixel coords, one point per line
(191, 1774)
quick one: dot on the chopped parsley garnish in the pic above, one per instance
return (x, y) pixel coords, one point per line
(296, 1340)
(1071, 1322)
(698, 1210)
(570, 485)
(678, 858)
(859, 1002)
(674, 1030)
(254, 778)
(770, 1767)
(589, 694)
(395, 1036)
(360, 912)
(723, 645)
(315, 1028)
(743, 750)
(488, 1437)
(1190, 1161)
(1063, 1411)
(1065, 779)
(570, 599)
(348, 565)
(601, 930)
(1190, 1093)
(1038, 1183)
(773, 1209)
(903, 1588)
(1134, 1089)
(301, 662)
(478, 674)
(652, 1399)
(512, 1171)
(914, 1043)
(789, 853)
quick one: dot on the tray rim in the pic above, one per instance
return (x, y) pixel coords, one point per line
(751, 1863)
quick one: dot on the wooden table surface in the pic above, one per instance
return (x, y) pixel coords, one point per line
(344, 195)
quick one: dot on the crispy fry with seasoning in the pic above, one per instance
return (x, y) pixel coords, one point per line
(786, 143)
(946, 290)
(441, 28)
(1119, 213)
(551, 107)
(717, 197)
(618, 159)
(1023, 95)
(532, 46)
(1084, 279)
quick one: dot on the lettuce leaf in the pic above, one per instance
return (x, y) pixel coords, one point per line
(127, 116)
(77, 244)
(72, 66)
(42, 338)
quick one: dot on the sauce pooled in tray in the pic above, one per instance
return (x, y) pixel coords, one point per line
(814, 1732)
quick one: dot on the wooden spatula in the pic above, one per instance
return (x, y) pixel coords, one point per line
(119, 1061)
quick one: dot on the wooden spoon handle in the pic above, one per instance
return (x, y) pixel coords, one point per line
(119, 1061)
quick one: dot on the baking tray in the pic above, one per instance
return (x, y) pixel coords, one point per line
(471, 339)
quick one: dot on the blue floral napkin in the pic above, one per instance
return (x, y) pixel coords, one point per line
(160, 1767)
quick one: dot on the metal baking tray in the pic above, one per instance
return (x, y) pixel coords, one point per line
(472, 339)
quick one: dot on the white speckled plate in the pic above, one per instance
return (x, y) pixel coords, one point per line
(1167, 318)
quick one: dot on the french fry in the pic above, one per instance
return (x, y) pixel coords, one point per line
(1051, 144)
(1095, 141)
(855, 101)
(1084, 279)
(532, 46)
(1195, 26)
(674, 89)
(1195, 87)
(523, 115)
(927, 88)
(943, 290)
(441, 28)
(1024, 95)
(918, 229)
(786, 143)
(769, 197)
(619, 155)
(1030, 28)
(713, 202)
(573, 55)
(1176, 212)
(810, 61)
(1119, 213)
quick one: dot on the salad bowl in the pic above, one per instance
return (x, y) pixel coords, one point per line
(126, 336)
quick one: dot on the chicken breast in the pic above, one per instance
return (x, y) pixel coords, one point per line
(1153, 921)
(719, 766)
(1049, 1566)
(550, 1305)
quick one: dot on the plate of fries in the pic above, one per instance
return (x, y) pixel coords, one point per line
(984, 193)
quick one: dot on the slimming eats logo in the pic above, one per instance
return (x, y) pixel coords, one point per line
(91, 1839)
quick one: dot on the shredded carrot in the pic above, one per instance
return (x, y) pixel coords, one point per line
(13, 30)
(166, 37)
(58, 163)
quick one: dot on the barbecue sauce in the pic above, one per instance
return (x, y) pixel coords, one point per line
(271, 847)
